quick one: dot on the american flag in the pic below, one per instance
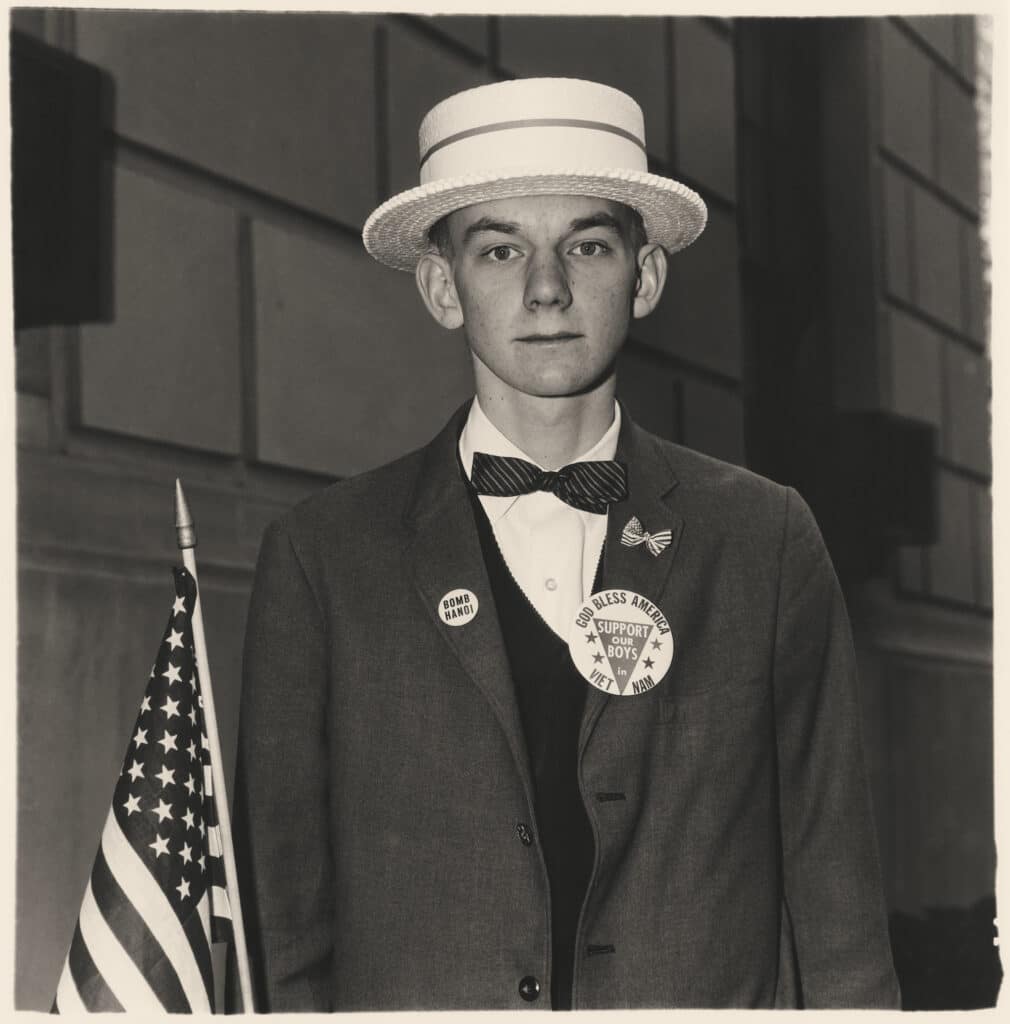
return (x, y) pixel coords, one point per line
(156, 898)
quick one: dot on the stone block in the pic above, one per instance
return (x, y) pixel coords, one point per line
(984, 546)
(916, 371)
(895, 218)
(941, 763)
(906, 93)
(966, 437)
(713, 420)
(32, 421)
(698, 318)
(111, 510)
(650, 392)
(937, 258)
(951, 563)
(957, 145)
(31, 360)
(167, 366)
(281, 103)
(965, 30)
(911, 575)
(704, 109)
(939, 33)
(351, 369)
(976, 322)
(628, 53)
(469, 31)
(419, 75)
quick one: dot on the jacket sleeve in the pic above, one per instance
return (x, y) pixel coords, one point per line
(281, 819)
(832, 881)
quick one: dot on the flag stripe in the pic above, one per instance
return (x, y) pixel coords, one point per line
(135, 936)
(91, 986)
(119, 971)
(68, 999)
(196, 933)
(151, 902)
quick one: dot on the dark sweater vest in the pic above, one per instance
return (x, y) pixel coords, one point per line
(551, 695)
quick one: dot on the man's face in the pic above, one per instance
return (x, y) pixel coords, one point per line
(545, 287)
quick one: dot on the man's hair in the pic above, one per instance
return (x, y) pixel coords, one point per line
(440, 238)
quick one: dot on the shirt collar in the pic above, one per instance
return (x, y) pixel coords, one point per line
(481, 435)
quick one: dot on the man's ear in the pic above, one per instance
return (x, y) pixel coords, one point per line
(651, 279)
(438, 290)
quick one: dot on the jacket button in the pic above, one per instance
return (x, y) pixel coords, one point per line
(529, 988)
(524, 834)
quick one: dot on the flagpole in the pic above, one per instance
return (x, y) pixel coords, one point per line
(186, 538)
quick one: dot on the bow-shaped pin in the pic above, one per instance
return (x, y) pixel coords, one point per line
(634, 534)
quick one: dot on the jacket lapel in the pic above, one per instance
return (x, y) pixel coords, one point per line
(445, 554)
(651, 480)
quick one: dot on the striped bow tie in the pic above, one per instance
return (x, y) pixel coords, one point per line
(589, 486)
(634, 534)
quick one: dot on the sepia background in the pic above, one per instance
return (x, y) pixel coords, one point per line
(192, 299)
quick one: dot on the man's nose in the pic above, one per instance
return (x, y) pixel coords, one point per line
(547, 283)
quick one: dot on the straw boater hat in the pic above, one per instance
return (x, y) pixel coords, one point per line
(532, 136)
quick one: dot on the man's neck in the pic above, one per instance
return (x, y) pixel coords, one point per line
(552, 431)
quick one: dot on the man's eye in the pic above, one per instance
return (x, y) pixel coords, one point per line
(589, 249)
(501, 253)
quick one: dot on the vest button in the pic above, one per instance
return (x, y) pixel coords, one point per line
(524, 834)
(529, 988)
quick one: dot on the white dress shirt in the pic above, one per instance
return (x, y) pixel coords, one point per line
(551, 549)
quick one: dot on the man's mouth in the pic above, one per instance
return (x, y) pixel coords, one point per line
(558, 336)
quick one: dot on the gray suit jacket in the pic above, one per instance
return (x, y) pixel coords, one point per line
(382, 771)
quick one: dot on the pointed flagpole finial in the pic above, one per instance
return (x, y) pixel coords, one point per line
(185, 531)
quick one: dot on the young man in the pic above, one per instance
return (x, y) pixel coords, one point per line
(551, 712)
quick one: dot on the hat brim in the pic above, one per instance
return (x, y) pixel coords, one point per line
(396, 234)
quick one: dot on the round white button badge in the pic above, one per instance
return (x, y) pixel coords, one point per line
(458, 607)
(621, 643)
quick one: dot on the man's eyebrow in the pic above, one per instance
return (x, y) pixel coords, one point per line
(597, 220)
(502, 227)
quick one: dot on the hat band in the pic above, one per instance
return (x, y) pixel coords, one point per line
(540, 122)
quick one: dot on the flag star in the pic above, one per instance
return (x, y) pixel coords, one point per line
(192, 715)
(192, 749)
(200, 860)
(174, 639)
(192, 679)
(135, 771)
(141, 737)
(168, 741)
(179, 608)
(188, 818)
(203, 829)
(186, 853)
(163, 811)
(170, 707)
(199, 700)
(132, 804)
(160, 846)
(189, 785)
(153, 667)
(183, 889)
(167, 776)
(145, 704)
(172, 675)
